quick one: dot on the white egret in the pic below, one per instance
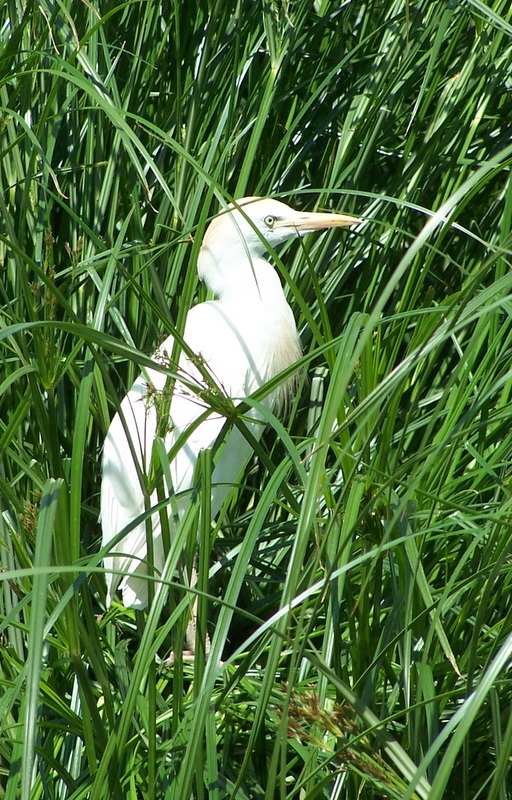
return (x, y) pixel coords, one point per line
(243, 338)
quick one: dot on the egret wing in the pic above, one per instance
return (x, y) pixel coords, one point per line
(220, 352)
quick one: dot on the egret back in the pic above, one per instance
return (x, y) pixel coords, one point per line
(240, 349)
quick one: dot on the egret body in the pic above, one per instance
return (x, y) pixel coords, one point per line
(244, 337)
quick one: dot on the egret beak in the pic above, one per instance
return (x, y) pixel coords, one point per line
(306, 223)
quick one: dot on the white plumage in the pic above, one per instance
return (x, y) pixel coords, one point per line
(244, 338)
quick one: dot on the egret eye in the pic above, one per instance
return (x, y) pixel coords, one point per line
(269, 221)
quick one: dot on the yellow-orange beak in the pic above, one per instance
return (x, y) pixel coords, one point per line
(309, 222)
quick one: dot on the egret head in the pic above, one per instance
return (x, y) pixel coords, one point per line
(246, 229)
